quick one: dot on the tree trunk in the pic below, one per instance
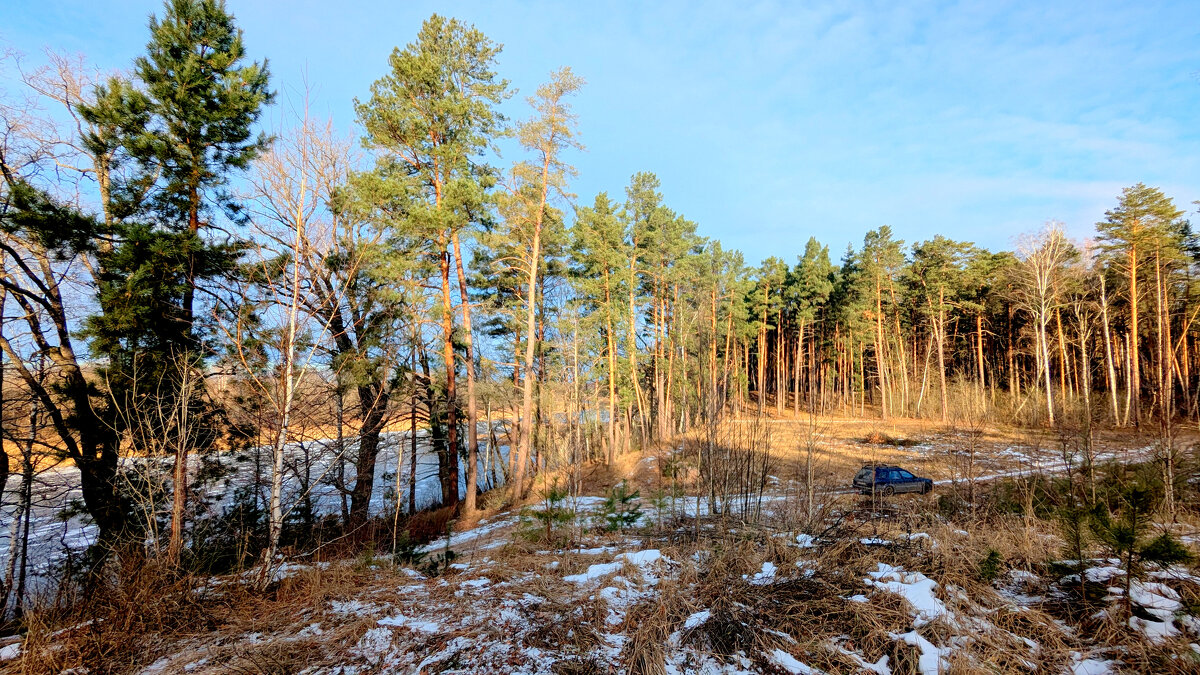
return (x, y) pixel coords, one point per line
(535, 260)
(979, 353)
(1064, 361)
(612, 373)
(632, 348)
(468, 505)
(1108, 353)
(412, 441)
(879, 359)
(450, 479)
(940, 337)
(761, 358)
(287, 382)
(784, 368)
(798, 366)
(1135, 376)
(1045, 349)
(180, 476)
(372, 406)
(1166, 388)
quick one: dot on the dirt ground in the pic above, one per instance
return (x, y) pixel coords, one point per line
(841, 445)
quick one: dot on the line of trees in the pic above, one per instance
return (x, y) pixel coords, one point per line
(191, 283)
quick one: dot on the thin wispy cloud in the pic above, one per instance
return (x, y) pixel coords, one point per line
(770, 122)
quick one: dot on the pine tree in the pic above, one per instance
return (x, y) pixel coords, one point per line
(430, 118)
(880, 261)
(667, 239)
(533, 184)
(598, 254)
(187, 127)
(982, 277)
(1144, 222)
(807, 292)
(643, 214)
(203, 104)
(849, 309)
(938, 270)
(765, 302)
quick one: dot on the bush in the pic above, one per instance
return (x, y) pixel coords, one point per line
(1123, 532)
(408, 551)
(439, 563)
(949, 504)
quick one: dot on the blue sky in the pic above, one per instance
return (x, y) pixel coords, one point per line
(769, 122)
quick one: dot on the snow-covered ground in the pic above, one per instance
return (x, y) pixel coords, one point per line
(615, 598)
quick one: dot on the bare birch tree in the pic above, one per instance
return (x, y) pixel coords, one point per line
(1043, 257)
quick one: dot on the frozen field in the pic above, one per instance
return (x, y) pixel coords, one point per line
(55, 529)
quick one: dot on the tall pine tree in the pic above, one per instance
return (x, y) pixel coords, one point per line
(186, 125)
(430, 118)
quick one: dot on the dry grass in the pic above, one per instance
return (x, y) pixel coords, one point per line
(807, 616)
(152, 617)
(116, 620)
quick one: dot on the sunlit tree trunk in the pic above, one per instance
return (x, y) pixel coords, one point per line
(1108, 352)
(468, 505)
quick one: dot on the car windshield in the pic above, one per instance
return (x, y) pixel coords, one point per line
(906, 475)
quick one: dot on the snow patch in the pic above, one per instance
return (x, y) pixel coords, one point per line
(764, 577)
(1089, 666)
(643, 560)
(416, 625)
(914, 587)
(594, 572)
(1100, 575)
(789, 663)
(933, 659)
(697, 619)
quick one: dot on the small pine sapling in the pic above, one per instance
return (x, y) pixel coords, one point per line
(367, 559)
(1124, 533)
(554, 513)
(438, 564)
(622, 508)
(671, 468)
(989, 567)
(1073, 518)
(660, 499)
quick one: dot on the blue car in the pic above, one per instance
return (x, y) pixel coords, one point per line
(888, 480)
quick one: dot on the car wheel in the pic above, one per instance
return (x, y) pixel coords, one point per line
(888, 491)
(926, 488)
